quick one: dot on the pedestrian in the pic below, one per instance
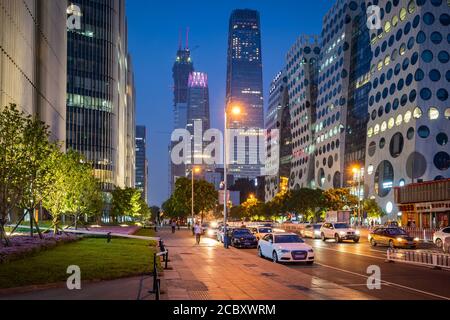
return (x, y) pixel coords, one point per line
(174, 225)
(156, 225)
(198, 233)
(178, 225)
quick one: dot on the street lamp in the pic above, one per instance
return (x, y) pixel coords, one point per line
(235, 112)
(357, 172)
(193, 172)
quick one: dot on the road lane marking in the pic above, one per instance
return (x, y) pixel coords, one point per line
(386, 282)
(355, 253)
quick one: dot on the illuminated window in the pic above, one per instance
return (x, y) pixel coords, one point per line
(433, 113)
(391, 123)
(417, 113)
(370, 132)
(370, 169)
(399, 120)
(387, 60)
(395, 21)
(447, 112)
(387, 27)
(383, 126)
(402, 49)
(403, 14)
(380, 65)
(411, 7)
(376, 130)
(408, 116)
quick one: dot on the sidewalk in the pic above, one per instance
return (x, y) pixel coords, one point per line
(210, 272)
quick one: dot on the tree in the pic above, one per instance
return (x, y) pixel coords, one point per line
(340, 199)
(307, 202)
(205, 197)
(12, 162)
(372, 209)
(155, 212)
(128, 202)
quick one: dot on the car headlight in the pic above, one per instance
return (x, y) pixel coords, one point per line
(285, 251)
(399, 239)
(416, 239)
(311, 251)
(317, 233)
(342, 233)
(357, 232)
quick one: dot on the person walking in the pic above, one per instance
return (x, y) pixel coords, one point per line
(198, 233)
(174, 225)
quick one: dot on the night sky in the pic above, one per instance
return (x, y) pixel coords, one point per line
(153, 41)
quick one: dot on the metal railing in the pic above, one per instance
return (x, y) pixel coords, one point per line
(422, 258)
(156, 277)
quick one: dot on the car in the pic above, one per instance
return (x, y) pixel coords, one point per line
(285, 247)
(243, 238)
(260, 231)
(210, 229)
(338, 231)
(312, 231)
(440, 236)
(393, 237)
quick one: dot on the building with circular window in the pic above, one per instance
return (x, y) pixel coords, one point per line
(417, 131)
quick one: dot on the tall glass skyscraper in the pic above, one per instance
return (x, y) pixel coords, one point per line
(141, 161)
(245, 89)
(100, 99)
(182, 68)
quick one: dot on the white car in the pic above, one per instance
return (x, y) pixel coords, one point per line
(338, 231)
(285, 247)
(440, 236)
(261, 232)
(311, 231)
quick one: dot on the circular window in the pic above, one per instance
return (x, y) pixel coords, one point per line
(436, 37)
(443, 56)
(410, 133)
(427, 56)
(396, 145)
(399, 120)
(442, 139)
(435, 75)
(330, 162)
(389, 207)
(402, 182)
(433, 113)
(421, 37)
(372, 149)
(442, 94)
(428, 18)
(447, 114)
(321, 177)
(384, 177)
(417, 113)
(407, 117)
(416, 165)
(391, 123)
(445, 19)
(370, 169)
(369, 133)
(442, 161)
(425, 94)
(423, 132)
(382, 143)
(337, 180)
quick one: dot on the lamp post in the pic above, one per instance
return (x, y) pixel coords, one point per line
(357, 171)
(193, 172)
(235, 111)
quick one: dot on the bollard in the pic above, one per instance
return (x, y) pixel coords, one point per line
(155, 275)
(166, 256)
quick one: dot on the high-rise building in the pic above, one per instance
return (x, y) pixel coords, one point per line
(182, 68)
(279, 151)
(303, 72)
(100, 93)
(198, 116)
(408, 130)
(141, 161)
(245, 89)
(33, 60)
(342, 101)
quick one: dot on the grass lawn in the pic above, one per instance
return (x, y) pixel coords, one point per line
(97, 259)
(145, 232)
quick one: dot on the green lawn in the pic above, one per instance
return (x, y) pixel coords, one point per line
(97, 259)
(145, 232)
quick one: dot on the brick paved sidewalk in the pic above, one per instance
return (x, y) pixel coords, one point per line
(210, 272)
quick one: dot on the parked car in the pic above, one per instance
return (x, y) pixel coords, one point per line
(243, 238)
(285, 247)
(312, 231)
(260, 231)
(338, 231)
(392, 237)
(440, 236)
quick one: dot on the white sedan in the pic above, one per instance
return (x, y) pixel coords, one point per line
(440, 236)
(285, 247)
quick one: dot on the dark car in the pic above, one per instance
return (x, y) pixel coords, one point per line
(392, 237)
(243, 238)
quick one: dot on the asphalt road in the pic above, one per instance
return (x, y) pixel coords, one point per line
(346, 264)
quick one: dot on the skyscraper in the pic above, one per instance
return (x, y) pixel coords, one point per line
(198, 120)
(100, 99)
(141, 161)
(33, 60)
(245, 89)
(182, 68)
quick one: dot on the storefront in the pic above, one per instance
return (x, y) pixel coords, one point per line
(424, 205)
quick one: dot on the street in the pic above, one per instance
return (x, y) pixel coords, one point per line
(346, 264)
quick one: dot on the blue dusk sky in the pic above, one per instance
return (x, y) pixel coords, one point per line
(154, 27)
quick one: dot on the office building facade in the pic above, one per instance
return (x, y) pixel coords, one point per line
(141, 161)
(33, 60)
(408, 130)
(245, 89)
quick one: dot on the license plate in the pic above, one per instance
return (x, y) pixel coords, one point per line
(299, 256)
